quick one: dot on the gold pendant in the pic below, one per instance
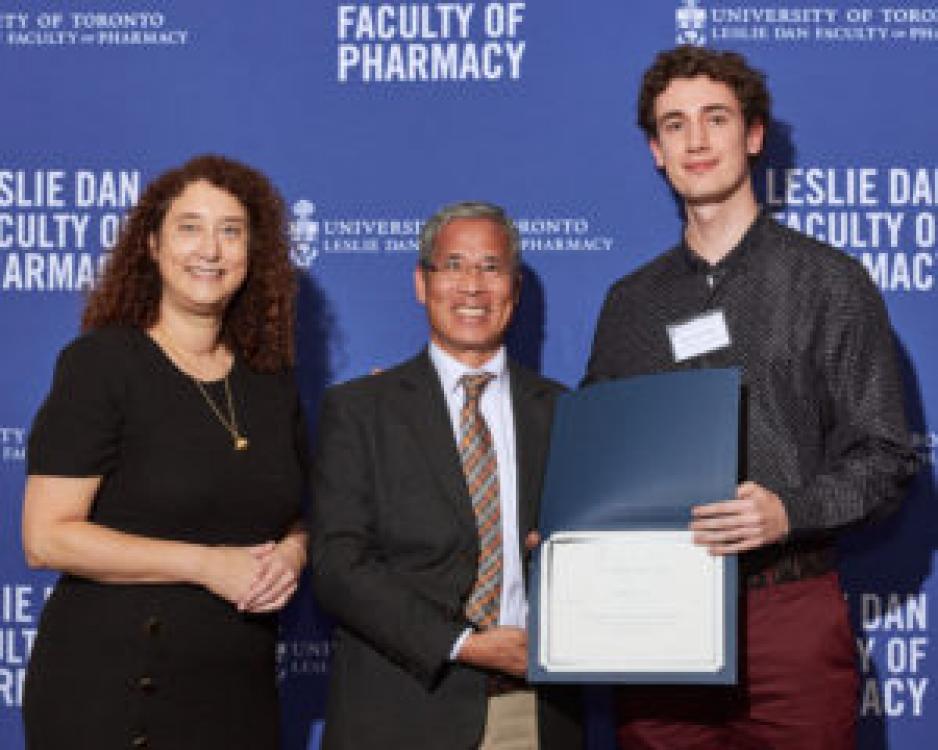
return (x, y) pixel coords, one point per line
(240, 443)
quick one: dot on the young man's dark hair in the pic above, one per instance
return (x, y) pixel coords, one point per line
(689, 62)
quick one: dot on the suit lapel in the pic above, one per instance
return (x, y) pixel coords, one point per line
(422, 406)
(532, 409)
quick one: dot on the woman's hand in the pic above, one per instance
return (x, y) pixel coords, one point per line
(230, 572)
(281, 565)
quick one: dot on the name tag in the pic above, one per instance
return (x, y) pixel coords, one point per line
(701, 335)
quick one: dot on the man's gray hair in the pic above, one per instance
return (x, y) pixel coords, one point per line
(468, 210)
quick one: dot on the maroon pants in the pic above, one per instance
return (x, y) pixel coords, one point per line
(798, 683)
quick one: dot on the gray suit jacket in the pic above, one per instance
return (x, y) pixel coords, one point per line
(394, 554)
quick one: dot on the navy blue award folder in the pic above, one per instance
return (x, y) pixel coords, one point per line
(633, 456)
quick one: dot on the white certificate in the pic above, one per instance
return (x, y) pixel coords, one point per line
(631, 601)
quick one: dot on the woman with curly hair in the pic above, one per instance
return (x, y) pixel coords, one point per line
(166, 470)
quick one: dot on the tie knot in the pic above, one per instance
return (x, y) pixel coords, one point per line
(474, 384)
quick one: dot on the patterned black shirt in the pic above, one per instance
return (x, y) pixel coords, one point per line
(823, 419)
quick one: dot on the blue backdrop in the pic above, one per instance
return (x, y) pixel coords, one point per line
(369, 116)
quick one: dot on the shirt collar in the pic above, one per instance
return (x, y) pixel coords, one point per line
(734, 258)
(451, 369)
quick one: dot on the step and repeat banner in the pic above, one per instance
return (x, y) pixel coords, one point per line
(368, 116)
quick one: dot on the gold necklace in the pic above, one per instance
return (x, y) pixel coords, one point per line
(241, 442)
(231, 424)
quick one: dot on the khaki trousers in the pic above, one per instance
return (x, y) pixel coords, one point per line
(511, 722)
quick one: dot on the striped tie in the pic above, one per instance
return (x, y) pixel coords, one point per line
(480, 466)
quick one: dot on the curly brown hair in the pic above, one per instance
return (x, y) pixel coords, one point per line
(258, 322)
(688, 61)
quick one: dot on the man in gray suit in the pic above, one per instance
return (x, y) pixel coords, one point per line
(426, 482)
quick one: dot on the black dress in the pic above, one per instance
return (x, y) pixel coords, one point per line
(161, 666)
